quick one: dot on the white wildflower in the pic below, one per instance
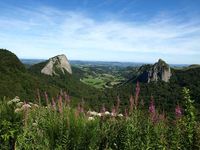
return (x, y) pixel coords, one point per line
(107, 113)
(113, 114)
(16, 99)
(17, 110)
(120, 115)
(30, 103)
(99, 114)
(35, 105)
(92, 113)
(10, 102)
(19, 104)
(90, 118)
(25, 106)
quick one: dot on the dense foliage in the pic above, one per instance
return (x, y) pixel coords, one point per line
(56, 125)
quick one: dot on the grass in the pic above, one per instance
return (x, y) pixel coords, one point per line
(102, 81)
(57, 126)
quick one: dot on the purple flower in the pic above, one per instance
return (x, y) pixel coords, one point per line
(152, 109)
(67, 98)
(46, 98)
(53, 104)
(178, 111)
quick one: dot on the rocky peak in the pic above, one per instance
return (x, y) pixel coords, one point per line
(158, 71)
(57, 64)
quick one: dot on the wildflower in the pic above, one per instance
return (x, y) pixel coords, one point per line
(90, 118)
(99, 114)
(67, 98)
(113, 111)
(35, 105)
(178, 111)
(16, 99)
(10, 102)
(19, 104)
(26, 106)
(113, 114)
(152, 111)
(30, 103)
(152, 106)
(120, 115)
(107, 113)
(53, 103)
(17, 110)
(92, 113)
(46, 98)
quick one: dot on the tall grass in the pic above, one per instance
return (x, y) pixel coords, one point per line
(57, 126)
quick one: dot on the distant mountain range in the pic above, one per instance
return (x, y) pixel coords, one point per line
(99, 63)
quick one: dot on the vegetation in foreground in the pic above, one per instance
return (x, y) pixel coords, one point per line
(29, 126)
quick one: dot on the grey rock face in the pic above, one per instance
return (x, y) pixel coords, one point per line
(56, 63)
(159, 71)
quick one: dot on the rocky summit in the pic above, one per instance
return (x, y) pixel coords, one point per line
(57, 64)
(158, 71)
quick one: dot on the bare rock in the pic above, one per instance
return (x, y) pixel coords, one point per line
(55, 64)
(158, 71)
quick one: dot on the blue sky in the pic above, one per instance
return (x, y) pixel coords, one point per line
(106, 30)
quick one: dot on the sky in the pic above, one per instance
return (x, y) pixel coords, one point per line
(103, 30)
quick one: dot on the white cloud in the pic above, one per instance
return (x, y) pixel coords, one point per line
(49, 31)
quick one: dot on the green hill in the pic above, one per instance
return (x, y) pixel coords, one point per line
(17, 80)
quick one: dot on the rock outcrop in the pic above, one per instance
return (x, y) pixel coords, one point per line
(159, 71)
(57, 64)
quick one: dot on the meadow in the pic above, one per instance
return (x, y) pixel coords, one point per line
(57, 125)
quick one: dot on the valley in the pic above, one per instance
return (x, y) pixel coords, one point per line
(55, 95)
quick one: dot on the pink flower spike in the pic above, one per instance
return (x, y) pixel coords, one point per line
(152, 106)
(46, 98)
(178, 111)
(53, 104)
